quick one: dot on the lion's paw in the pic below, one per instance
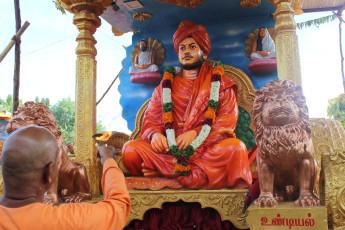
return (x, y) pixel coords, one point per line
(76, 198)
(307, 200)
(50, 199)
(265, 201)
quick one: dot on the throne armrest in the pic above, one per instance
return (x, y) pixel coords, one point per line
(328, 138)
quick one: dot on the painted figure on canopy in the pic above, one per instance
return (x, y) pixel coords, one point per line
(263, 47)
(188, 132)
(144, 61)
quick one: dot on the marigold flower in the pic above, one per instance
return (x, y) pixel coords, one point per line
(167, 117)
(210, 113)
(168, 76)
(181, 168)
(218, 70)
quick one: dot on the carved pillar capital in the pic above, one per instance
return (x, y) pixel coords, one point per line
(87, 23)
(75, 6)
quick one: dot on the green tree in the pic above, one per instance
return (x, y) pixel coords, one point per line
(64, 112)
(7, 105)
(336, 109)
(44, 101)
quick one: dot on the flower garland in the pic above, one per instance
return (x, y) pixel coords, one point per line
(182, 167)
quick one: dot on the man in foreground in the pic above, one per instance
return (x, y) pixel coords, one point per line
(29, 167)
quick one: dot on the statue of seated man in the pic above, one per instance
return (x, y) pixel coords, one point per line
(218, 160)
(144, 61)
(263, 47)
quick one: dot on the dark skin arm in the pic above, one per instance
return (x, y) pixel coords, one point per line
(106, 153)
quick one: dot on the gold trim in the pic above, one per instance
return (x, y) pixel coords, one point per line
(183, 3)
(286, 42)
(228, 203)
(287, 216)
(139, 121)
(116, 32)
(329, 146)
(250, 3)
(142, 16)
(74, 6)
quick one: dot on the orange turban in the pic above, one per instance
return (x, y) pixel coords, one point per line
(198, 32)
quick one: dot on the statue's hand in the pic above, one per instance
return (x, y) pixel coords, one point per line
(145, 66)
(186, 138)
(159, 143)
(264, 53)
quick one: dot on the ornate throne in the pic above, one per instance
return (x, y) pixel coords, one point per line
(329, 143)
(228, 202)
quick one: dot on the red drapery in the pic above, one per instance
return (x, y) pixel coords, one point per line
(181, 216)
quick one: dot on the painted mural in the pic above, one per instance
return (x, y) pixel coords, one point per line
(227, 44)
(3, 133)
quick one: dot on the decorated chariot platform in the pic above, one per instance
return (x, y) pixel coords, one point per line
(233, 27)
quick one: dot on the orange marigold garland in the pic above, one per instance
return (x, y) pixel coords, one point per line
(182, 167)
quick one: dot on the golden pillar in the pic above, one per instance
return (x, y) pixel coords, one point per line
(288, 60)
(1, 184)
(86, 18)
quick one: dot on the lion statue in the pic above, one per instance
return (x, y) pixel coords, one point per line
(72, 184)
(285, 160)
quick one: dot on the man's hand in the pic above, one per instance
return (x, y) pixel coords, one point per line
(186, 138)
(106, 153)
(159, 143)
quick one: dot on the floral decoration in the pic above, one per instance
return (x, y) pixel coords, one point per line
(182, 167)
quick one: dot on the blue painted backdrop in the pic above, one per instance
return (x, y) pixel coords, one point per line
(227, 44)
(3, 133)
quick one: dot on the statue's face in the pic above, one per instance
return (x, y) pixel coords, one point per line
(280, 109)
(190, 54)
(142, 45)
(262, 32)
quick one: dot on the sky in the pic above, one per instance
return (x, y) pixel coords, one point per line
(48, 60)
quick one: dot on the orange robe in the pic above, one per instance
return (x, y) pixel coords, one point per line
(221, 161)
(111, 213)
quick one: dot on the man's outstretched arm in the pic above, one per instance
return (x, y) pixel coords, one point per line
(110, 213)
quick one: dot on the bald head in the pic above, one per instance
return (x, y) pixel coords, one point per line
(27, 151)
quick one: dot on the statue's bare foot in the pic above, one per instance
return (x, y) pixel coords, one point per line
(265, 201)
(149, 172)
(51, 199)
(307, 200)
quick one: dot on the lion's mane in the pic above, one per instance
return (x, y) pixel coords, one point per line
(275, 140)
(34, 113)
